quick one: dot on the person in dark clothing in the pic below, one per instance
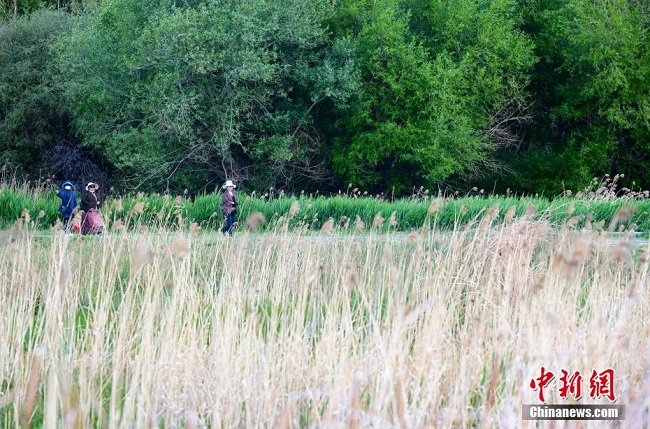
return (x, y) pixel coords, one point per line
(68, 203)
(91, 219)
(229, 205)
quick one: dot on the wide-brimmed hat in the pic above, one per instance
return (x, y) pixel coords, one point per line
(228, 183)
(93, 184)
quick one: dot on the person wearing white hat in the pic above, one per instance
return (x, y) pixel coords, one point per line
(229, 205)
(91, 219)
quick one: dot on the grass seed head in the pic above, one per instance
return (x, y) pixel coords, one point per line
(393, 219)
(142, 255)
(328, 227)
(572, 222)
(531, 210)
(378, 221)
(623, 252)
(180, 247)
(255, 220)
(194, 229)
(138, 208)
(294, 209)
(570, 209)
(58, 225)
(358, 224)
(622, 215)
(436, 205)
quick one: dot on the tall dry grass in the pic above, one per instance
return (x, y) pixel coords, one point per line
(285, 330)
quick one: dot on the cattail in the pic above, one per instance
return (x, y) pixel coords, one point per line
(178, 200)
(378, 221)
(41, 214)
(117, 225)
(510, 214)
(531, 210)
(413, 236)
(358, 224)
(255, 220)
(295, 208)
(118, 206)
(328, 227)
(25, 215)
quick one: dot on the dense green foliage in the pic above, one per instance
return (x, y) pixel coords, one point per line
(390, 95)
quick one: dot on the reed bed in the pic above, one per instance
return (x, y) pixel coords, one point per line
(603, 204)
(430, 329)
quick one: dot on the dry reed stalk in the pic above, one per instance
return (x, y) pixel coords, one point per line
(355, 404)
(32, 384)
(401, 403)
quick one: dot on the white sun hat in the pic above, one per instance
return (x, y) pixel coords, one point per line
(228, 183)
(93, 184)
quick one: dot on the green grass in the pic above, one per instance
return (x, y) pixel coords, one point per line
(179, 212)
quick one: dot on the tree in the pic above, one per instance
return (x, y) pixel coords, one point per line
(34, 117)
(593, 99)
(443, 87)
(185, 95)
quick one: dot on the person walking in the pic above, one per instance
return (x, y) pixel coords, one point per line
(68, 204)
(229, 205)
(91, 218)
